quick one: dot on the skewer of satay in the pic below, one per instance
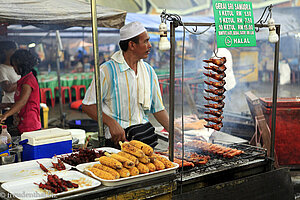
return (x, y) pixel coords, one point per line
(214, 119)
(217, 127)
(215, 105)
(216, 113)
(216, 61)
(218, 69)
(215, 98)
(218, 92)
(219, 84)
(218, 77)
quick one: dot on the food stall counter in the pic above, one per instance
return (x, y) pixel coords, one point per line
(155, 187)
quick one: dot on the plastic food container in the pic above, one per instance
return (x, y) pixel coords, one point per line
(79, 134)
(287, 134)
(4, 160)
(45, 143)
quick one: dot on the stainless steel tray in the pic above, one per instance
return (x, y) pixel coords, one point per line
(21, 170)
(131, 179)
(26, 189)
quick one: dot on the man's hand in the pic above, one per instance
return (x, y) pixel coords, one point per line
(117, 132)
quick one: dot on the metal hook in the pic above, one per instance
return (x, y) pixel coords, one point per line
(195, 29)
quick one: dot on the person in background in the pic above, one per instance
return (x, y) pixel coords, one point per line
(86, 63)
(101, 58)
(284, 72)
(27, 96)
(79, 56)
(101, 61)
(129, 86)
(8, 78)
(76, 66)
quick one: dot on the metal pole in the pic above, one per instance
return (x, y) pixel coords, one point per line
(171, 92)
(59, 49)
(274, 100)
(82, 44)
(101, 137)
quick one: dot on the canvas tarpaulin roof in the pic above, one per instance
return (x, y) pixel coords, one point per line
(58, 13)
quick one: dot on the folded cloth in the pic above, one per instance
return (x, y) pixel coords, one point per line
(143, 85)
(142, 132)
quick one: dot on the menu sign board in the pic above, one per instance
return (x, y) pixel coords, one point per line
(234, 24)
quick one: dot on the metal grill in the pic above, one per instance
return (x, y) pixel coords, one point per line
(218, 163)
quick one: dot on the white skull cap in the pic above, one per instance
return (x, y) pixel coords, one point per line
(131, 30)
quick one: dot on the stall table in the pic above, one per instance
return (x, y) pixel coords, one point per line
(69, 79)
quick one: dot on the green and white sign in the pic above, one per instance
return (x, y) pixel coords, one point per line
(234, 24)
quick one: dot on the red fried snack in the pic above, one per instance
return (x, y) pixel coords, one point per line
(218, 77)
(218, 92)
(215, 98)
(218, 69)
(214, 119)
(216, 113)
(217, 127)
(215, 105)
(219, 84)
(216, 61)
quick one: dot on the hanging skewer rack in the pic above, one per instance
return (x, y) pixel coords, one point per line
(175, 23)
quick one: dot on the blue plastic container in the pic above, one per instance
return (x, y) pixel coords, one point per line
(46, 150)
(45, 143)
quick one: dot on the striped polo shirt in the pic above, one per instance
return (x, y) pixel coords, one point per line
(119, 88)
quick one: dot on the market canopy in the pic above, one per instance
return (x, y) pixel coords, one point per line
(107, 35)
(58, 13)
(133, 6)
(180, 7)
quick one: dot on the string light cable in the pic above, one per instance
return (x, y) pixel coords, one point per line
(177, 19)
(261, 21)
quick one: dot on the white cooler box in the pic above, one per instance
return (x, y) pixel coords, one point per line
(45, 143)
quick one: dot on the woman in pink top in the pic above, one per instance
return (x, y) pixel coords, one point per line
(27, 97)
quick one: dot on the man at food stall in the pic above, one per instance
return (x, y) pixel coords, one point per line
(130, 90)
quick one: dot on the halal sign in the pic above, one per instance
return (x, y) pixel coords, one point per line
(234, 24)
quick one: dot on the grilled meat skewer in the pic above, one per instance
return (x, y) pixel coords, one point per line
(219, 84)
(214, 148)
(218, 69)
(218, 92)
(214, 119)
(185, 163)
(218, 77)
(215, 98)
(217, 113)
(217, 127)
(215, 105)
(216, 61)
